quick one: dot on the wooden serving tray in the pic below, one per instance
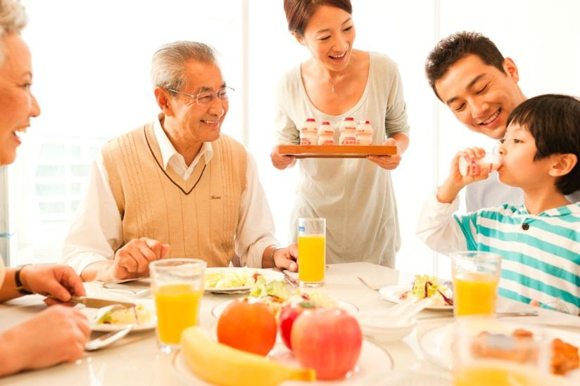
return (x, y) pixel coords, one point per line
(335, 151)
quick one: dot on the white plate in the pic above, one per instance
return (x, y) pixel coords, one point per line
(348, 307)
(139, 287)
(393, 294)
(373, 360)
(116, 327)
(91, 314)
(437, 343)
(269, 274)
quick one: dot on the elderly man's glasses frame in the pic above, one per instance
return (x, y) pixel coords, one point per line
(207, 97)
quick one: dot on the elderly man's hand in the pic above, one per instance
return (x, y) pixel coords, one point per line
(132, 260)
(285, 258)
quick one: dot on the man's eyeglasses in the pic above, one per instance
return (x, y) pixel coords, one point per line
(207, 97)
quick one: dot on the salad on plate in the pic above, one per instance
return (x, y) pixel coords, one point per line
(237, 279)
(425, 286)
(112, 318)
(133, 315)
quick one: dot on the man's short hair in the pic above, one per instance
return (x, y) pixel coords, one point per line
(457, 46)
(168, 64)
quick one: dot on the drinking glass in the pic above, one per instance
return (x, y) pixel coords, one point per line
(475, 279)
(489, 352)
(311, 251)
(177, 286)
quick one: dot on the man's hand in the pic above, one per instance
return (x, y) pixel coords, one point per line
(132, 260)
(285, 258)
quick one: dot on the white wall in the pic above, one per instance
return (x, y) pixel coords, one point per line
(540, 36)
(91, 61)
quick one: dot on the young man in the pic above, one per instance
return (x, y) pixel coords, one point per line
(539, 241)
(175, 187)
(470, 75)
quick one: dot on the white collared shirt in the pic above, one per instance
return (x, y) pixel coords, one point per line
(172, 159)
(96, 230)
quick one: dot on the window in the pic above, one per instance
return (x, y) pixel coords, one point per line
(92, 62)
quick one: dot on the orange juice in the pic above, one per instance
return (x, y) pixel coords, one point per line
(177, 308)
(502, 374)
(311, 258)
(474, 293)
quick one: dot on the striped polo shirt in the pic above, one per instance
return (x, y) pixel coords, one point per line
(540, 253)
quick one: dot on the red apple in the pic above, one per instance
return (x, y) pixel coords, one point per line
(328, 341)
(287, 317)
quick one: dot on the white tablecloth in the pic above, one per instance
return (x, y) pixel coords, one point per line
(136, 360)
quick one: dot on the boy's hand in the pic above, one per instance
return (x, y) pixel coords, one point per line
(455, 181)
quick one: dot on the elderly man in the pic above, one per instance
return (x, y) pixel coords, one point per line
(175, 187)
(470, 75)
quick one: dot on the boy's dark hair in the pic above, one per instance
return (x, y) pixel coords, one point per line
(454, 47)
(554, 122)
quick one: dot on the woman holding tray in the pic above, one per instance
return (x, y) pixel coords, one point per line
(354, 195)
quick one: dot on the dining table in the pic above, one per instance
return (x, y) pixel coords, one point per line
(137, 360)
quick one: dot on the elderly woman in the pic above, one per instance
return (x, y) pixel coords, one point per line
(57, 334)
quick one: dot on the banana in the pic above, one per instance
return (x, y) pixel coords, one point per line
(226, 366)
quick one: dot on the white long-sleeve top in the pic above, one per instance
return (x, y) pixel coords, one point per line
(96, 230)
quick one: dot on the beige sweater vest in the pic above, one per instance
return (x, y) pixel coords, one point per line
(197, 217)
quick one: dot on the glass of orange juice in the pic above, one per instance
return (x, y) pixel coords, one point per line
(489, 352)
(311, 251)
(177, 286)
(475, 279)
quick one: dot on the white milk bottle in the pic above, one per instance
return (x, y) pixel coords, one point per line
(348, 132)
(325, 134)
(364, 133)
(309, 132)
(491, 161)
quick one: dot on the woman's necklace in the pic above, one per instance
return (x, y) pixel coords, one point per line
(329, 80)
(334, 83)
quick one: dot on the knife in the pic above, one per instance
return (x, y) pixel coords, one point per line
(289, 279)
(98, 303)
(507, 314)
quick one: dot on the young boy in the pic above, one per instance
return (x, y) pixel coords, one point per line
(539, 241)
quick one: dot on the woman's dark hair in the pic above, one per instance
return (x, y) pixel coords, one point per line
(299, 12)
(457, 46)
(554, 122)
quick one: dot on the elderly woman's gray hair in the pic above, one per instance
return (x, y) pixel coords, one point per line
(12, 19)
(168, 64)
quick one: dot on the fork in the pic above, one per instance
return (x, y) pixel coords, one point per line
(107, 339)
(367, 284)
